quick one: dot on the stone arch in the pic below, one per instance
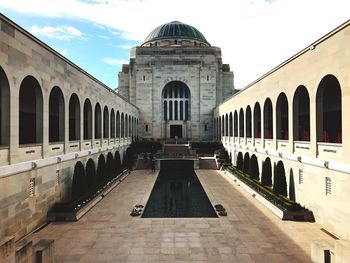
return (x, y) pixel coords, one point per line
(122, 126)
(176, 101)
(282, 117)
(329, 110)
(279, 180)
(118, 125)
(74, 117)
(105, 123)
(235, 121)
(266, 174)
(87, 120)
(239, 162)
(248, 122)
(241, 123)
(4, 109)
(223, 124)
(56, 115)
(126, 134)
(220, 134)
(231, 125)
(30, 111)
(246, 162)
(257, 120)
(98, 121)
(78, 181)
(254, 167)
(301, 114)
(90, 171)
(268, 119)
(112, 132)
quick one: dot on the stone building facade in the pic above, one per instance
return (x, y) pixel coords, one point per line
(301, 128)
(53, 115)
(176, 78)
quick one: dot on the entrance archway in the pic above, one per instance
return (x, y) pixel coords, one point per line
(176, 101)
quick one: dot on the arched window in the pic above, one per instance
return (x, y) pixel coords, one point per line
(219, 126)
(257, 121)
(223, 125)
(118, 125)
(231, 125)
(122, 134)
(301, 114)
(176, 101)
(87, 120)
(74, 118)
(30, 111)
(4, 109)
(235, 121)
(241, 123)
(248, 122)
(328, 110)
(126, 126)
(268, 128)
(282, 117)
(56, 115)
(105, 123)
(226, 125)
(130, 126)
(112, 124)
(98, 121)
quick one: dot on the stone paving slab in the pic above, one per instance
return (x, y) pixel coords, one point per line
(250, 233)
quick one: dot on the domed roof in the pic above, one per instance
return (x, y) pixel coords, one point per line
(173, 30)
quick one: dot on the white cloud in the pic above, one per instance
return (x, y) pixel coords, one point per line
(254, 35)
(57, 32)
(114, 61)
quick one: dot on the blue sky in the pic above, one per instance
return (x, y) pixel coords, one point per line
(254, 35)
(97, 49)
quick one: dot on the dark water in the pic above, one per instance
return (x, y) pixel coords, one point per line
(178, 193)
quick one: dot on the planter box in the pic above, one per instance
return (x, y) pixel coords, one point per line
(302, 215)
(71, 214)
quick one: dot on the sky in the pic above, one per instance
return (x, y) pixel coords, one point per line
(254, 35)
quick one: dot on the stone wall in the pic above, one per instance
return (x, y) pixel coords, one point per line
(321, 169)
(34, 176)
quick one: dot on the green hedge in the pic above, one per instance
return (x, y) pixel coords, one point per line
(206, 147)
(280, 201)
(145, 146)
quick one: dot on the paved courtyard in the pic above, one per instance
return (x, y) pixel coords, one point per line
(250, 233)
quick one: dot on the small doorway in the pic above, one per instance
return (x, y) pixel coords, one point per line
(175, 130)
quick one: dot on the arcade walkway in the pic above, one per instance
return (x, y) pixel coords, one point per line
(249, 233)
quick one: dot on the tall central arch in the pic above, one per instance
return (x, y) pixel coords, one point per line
(176, 101)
